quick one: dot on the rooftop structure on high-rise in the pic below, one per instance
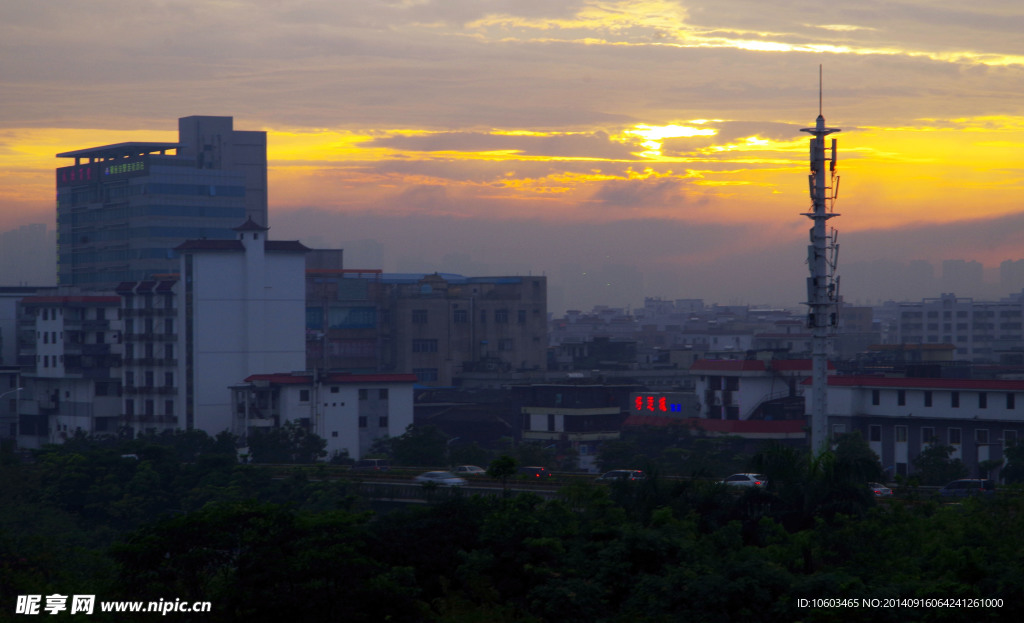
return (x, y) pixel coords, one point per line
(122, 209)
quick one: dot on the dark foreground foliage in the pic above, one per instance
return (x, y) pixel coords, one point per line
(183, 523)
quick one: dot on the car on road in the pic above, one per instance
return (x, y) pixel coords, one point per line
(968, 487)
(469, 470)
(441, 479)
(745, 480)
(622, 475)
(534, 473)
(880, 490)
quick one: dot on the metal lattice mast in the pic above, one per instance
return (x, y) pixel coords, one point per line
(822, 257)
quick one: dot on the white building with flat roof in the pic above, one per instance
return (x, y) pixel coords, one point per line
(349, 411)
(243, 311)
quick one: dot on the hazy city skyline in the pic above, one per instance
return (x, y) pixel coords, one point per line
(624, 149)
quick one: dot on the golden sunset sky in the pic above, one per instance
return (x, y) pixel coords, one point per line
(624, 148)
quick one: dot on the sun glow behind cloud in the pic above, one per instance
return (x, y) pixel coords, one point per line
(653, 136)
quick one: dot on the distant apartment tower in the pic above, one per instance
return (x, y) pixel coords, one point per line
(978, 330)
(122, 209)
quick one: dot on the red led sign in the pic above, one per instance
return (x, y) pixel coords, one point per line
(655, 403)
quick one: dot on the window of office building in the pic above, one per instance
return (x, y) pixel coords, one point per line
(927, 398)
(1009, 438)
(419, 316)
(901, 397)
(981, 436)
(927, 435)
(1011, 400)
(424, 346)
(982, 400)
(876, 397)
(425, 374)
(954, 437)
(901, 434)
(954, 399)
(874, 433)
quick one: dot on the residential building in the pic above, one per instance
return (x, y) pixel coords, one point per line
(241, 312)
(349, 411)
(10, 388)
(574, 416)
(439, 327)
(151, 345)
(751, 389)
(900, 417)
(123, 209)
(10, 296)
(69, 351)
(978, 329)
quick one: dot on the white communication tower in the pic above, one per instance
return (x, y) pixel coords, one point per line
(822, 258)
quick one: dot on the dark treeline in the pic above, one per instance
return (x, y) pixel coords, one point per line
(185, 521)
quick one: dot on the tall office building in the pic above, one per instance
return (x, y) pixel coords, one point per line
(122, 209)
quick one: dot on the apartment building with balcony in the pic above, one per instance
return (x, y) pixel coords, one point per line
(150, 347)
(69, 352)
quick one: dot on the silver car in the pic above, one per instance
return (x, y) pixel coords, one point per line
(745, 480)
(441, 479)
(469, 470)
